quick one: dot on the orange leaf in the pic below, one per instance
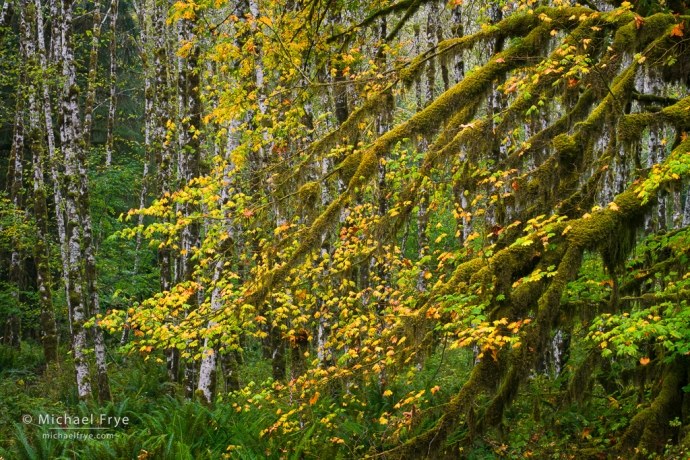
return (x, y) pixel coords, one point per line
(585, 432)
(639, 22)
(677, 31)
(503, 60)
(644, 361)
(314, 398)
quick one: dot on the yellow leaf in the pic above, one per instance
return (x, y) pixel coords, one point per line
(387, 393)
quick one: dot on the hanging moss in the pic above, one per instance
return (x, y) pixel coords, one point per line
(632, 126)
(647, 430)
(512, 26)
(580, 381)
(560, 126)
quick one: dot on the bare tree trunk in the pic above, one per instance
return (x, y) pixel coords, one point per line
(192, 130)
(677, 216)
(142, 12)
(6, 13)
(70, 146)
(209, 355)
(84, 209)
(15, 171)
(209, 361)
(41, 250)
(50, 136)
(424, 196)
(686, 209)
(431, 41)
(91, 79)
(113, 83)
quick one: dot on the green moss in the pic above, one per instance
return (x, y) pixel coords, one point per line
(655, 26)
(566, 149)
(349, 165)
(366, 168)
(631, 127)
(580, 380)
(309, 192)
(678, 114)
(650, 426)
(625, 37)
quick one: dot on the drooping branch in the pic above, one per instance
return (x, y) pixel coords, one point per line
(426, 123)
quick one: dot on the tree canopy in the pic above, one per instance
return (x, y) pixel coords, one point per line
(346, 229)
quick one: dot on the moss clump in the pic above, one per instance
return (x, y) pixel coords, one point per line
(309, 192)
(655, 26)
(566, 149)
(365, 169)
(631, 127)
(349, 165)
(679, 113)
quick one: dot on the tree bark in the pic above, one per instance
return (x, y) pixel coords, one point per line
(91, 78)
(15, 171)
(113, 83)
(41, 250)
(70, 150)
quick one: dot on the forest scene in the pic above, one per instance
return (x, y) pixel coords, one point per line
(344, 229)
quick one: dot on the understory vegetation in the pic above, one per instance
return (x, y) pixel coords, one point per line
(339, 229)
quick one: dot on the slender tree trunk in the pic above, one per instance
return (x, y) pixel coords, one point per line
(90, 276)
(163, 155)
(149, 117)
(91, 79)
(50, 136)
(113, 83)
(432, 28)
(209, 354)
(686, 208)
(15, 171)
(41, 250)
(6, 13)
(84, 210)
(70, 146)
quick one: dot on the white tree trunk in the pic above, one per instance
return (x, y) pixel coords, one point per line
(70, 145)
(113, 84)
